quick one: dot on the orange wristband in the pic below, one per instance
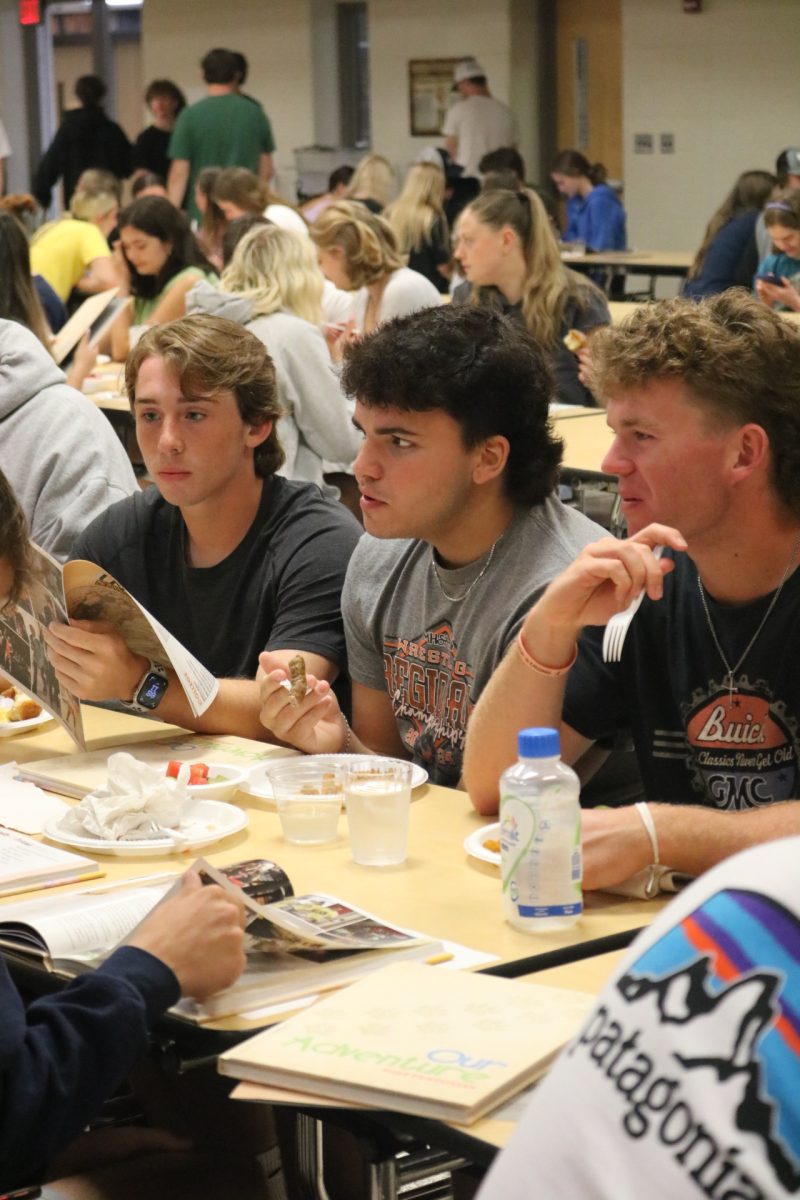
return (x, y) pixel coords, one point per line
(540, 668)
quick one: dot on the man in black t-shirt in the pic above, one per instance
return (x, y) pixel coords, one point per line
(231, 558)
(704, 401)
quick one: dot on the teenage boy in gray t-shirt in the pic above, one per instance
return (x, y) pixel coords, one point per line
(457, 471)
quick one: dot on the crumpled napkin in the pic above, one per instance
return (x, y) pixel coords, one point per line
(139, 801)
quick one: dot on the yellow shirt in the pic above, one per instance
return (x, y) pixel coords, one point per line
(63, 251)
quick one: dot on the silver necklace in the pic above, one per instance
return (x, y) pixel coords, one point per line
(476, 580)
(731, 672)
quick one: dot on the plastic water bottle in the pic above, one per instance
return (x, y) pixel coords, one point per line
(540, 836)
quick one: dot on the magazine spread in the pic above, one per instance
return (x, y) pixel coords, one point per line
(85, 592)
(295, 944)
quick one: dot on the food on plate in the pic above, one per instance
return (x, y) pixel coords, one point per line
(575, 340)
(298, 683)
(198, 773)
(21, 708)
(492, 845)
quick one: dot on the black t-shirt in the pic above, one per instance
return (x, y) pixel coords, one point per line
(150, 151)
(434, 252)
(591, 311)
(279, 589)
(694, 744)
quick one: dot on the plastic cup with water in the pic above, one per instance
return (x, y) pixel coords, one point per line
(377, 798)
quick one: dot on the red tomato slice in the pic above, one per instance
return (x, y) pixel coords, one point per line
(172, 769)
(198, 773)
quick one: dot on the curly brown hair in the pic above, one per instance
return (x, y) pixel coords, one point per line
(738, 360)
(479, 368)
(209, 355)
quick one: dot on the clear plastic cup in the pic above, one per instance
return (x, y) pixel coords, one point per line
(377, 798)
(309, 800)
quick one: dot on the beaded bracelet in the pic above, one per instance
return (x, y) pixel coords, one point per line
(540, 668)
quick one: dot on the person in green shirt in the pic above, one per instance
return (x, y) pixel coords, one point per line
(162, 261)
(225, 129)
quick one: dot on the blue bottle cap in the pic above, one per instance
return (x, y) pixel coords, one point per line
(538, 743)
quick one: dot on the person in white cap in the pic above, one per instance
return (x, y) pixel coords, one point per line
(478, 123)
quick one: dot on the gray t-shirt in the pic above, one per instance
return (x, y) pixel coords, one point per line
(435, 655)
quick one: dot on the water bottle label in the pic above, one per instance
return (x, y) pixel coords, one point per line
(550, 910)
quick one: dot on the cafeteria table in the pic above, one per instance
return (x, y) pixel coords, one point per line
(651, 263)
(440, 890)
(587, 439)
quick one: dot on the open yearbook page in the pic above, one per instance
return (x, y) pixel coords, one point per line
(296, 945)
(85, 592)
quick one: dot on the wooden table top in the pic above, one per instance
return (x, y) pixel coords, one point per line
(650, 262)
(440, 890)
(587, 439)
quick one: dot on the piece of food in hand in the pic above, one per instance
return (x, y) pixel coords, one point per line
(575, 340)
(298, 683)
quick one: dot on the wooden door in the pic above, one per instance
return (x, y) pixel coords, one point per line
(588, 36)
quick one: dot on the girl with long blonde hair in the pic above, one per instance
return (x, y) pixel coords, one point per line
(511, 260)
(418, 220)
(373, 182)
(273, 286)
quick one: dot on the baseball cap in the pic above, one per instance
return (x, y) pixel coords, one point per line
(468, 68)
(792, 161)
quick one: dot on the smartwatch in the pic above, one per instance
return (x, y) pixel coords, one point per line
(149, 690)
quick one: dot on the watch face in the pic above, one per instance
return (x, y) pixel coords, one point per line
(152, 690)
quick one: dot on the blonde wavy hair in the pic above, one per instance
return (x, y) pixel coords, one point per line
(414, 213)
(548, 285)
(243, 188)
(87, 204)
(276, 270)
(368, 241)
(373, 178)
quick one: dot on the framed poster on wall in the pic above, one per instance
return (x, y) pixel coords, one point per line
(430, 82)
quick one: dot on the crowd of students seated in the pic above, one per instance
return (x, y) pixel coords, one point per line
(270, 351)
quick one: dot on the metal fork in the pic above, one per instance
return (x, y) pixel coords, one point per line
(617, 628)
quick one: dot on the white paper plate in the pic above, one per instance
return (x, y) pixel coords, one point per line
(208, 821)
(12, 728)
(259, 785)
(474, 844)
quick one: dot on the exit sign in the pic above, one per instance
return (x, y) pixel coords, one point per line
(30, 12)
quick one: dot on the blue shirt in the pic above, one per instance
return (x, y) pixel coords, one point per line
(784, 267)
(726, 262)
(597, 219)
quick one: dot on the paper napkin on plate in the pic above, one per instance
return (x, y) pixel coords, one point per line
(139, 801)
